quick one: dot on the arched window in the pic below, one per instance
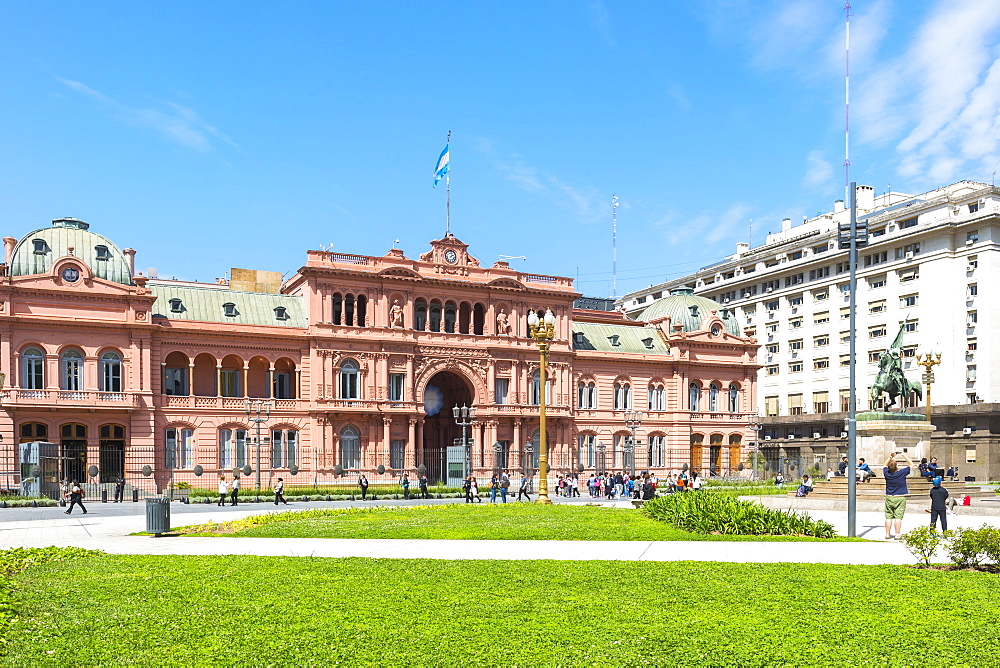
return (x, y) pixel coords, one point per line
(232, 448)
(694, 397)
(587, 394)
(656, 400)
(350, 447)
(657, 450)
(435, 316)
(535, 398)
(33, 369)
(179, 442)
(71, 377)
(713, 397)
(33, 431)
(420, 315)
(585, 449)
(111, 372)
(284, 448)
(338, 308)
(450, 315)
(623, 396)
(734, 398)
(361, 307)
(349, 310)
(349, 379)
(478, 319)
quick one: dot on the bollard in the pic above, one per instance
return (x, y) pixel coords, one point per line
(104, 495)
(135, 495)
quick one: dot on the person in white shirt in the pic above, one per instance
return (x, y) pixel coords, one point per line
(234, 491)
(223, 490)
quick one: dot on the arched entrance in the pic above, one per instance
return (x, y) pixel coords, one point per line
(442, 452)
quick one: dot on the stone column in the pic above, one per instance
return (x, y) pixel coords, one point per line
(246, 376)
(411, 445)
(386, 439)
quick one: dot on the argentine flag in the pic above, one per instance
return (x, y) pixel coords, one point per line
(443, 165)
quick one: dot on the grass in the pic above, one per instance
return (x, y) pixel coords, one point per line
(237, 610)
(512, 521)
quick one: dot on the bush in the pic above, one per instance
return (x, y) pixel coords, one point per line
(968, 547)
(924, 542)
(723, 514)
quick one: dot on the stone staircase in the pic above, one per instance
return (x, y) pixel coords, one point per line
(874, 489)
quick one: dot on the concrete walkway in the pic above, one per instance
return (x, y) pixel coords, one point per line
(110, 533)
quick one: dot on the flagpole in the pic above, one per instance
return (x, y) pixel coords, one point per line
(447, 199)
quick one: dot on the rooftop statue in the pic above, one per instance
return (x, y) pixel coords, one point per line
(890, 378)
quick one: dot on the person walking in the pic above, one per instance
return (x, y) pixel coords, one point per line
(234, 491)
(504, 486)
(939, 504)
(895, 494)
(119, 488)
(494, 486)
(75, 498)
(523, 489)
(475, 490)
(279, 492)
(363, 484)
(223, 490)
(405, 483)
(422, 481)
(467, 488)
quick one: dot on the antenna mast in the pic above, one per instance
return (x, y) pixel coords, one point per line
(614, 245)
(847, 100)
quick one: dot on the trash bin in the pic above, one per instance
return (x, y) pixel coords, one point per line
(157, 515)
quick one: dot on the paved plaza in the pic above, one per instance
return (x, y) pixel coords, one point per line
(107, 527)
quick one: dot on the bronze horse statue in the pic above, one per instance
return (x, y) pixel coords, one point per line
(890, 380)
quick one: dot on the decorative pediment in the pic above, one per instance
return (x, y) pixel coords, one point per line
(401, 272)
(504, 282)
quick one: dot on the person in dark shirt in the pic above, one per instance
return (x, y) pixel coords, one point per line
(939, 508)
(842, 469)
(895, 494)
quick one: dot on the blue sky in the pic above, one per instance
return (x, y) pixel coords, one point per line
(222, 134)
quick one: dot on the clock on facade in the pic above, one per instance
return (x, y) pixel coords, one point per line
(450, 256)
(71, 274)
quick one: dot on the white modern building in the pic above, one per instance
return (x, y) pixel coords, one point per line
(932, 261)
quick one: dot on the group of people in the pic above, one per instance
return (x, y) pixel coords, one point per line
(499, 485)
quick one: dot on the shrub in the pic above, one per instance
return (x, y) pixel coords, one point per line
(723, 514)
(924, 542)
(968, 547)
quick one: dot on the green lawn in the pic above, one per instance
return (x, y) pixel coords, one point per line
(512, 521)
(242, 611)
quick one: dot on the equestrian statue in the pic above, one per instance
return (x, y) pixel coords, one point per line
(890, 378)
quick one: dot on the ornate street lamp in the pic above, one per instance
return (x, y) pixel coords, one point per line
(464, 417)
(497, 449)
(601, 470)
(755, 426)
(928, 362)
(258, 412)
(542, 331)
(632, 420)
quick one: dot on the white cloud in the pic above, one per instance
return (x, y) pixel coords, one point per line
(176, 123)
(819, 171)
(601, 19)
(938, 100)
(588, 204)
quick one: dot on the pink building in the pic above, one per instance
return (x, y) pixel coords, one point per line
(361, 360)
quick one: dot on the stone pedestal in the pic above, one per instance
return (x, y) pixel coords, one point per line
(881, 433)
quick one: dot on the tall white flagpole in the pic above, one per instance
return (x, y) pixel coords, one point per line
(447, 184)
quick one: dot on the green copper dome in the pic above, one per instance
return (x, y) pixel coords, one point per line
(36, 251)
(683, 307)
